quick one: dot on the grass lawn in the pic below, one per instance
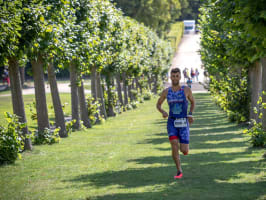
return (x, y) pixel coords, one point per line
(128, 158)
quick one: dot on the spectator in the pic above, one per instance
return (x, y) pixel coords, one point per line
(6, 77)
(192, 74)
(197, 74)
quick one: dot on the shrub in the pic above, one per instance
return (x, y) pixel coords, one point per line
(128, 107)
(134, 94)
(48, 136)
(134, 104)
(258, 135)
(11, 139)
(32, 108)
(93, 110)
(147, 95)
(69, 126)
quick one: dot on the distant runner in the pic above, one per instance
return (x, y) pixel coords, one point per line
(178, 120)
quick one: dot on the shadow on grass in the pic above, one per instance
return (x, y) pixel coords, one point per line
(207, 174)
(210, 174)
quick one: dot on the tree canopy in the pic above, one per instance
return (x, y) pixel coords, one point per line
(157, 14)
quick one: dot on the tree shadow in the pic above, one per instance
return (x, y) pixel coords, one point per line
(212, 173)
(208, 173)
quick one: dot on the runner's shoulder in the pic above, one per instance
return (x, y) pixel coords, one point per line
(165, 91)
(187, 89)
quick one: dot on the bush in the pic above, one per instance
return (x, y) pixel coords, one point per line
(258, 135)
(69, 126)
(93, 110)
(11, 139)
(147, 95)
(134, 104)
(48, 136)
(32, 108)
(134, 94)
(231, 94)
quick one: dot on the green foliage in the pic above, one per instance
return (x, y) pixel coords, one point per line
(69, 126)
(190, 9)
(134, 104)
(230, 92)
(48, 136)
(134, 93)
(32, 109)
(258, 135)
(147, 95)
(93, 110)
(89, 33)
(229, 48)
(175, 34)
(11, 139)
(156, 14)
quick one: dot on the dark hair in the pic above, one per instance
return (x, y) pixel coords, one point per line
(175, 70)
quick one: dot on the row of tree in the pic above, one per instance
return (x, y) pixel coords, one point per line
(234, 53)
(87, 37)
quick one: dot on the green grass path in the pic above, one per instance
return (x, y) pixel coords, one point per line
(128, 158)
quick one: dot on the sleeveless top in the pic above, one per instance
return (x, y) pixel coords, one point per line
(177, 102)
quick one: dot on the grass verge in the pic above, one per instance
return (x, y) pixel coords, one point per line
(128, 157)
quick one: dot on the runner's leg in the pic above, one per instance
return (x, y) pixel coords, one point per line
(175, 154)
(184, 148)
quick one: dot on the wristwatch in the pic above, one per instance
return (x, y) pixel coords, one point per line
(189, 114)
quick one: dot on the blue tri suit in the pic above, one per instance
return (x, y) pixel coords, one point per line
(178, 105)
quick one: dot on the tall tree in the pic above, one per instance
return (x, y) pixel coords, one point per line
(11, 48)
(40, 94)
(59, 114)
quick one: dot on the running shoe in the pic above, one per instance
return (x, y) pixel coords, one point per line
(178, 175)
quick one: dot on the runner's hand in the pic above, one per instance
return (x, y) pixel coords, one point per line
(190, 120)
(165, 114)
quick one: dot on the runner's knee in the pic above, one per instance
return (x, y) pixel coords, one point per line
(185, 152)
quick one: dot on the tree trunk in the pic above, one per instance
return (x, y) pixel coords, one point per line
(129, 87)
(109, 83)
(263, 64)
(255, 88)
(84, 115)
(125, 89)
(93, 82)
(74, 96)
(100, 96)
(40, 96)
(138, 85)
(155, 83)
(22, 75)
(150, 83)
(119, 89)
(59, 114)
(17, 98)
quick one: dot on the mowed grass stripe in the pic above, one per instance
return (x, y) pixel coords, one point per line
(128, 157)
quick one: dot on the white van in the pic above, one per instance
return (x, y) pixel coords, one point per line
(189, 26)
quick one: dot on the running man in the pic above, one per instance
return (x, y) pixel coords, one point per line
(178, 120)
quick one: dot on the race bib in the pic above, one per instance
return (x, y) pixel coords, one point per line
(181, 122)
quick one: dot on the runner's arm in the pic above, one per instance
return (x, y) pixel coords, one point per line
(160, 102)
(191, 99)
(192, 104)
